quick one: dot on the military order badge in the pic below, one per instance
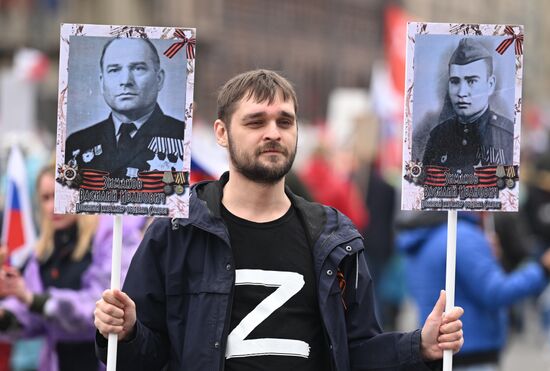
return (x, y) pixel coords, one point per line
(124, 120)
(463, 106)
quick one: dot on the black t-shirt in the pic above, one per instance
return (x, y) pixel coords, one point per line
(275, 319)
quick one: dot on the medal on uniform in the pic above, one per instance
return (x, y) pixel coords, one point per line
(443, 158)
(500, 173)
(166, 145)
(179, 189)
(413, 171)
(68, 175)
(180, 177)
(155, 163)
(180, 181)
(98, 150)
(168, 179)
(511, 172)
(168, 190)
(88, 156)
(416, 170)
(168, 154)
(132, 172)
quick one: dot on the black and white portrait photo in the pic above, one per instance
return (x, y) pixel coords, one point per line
(463, 111)
(473, 88)
(117, 119)
(124, 120)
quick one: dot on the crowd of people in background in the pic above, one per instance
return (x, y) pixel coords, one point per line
(53, 296)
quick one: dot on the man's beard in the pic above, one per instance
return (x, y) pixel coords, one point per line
(251, 168)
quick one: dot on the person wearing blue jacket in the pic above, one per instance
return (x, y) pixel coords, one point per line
(258, 278)
(483, 289)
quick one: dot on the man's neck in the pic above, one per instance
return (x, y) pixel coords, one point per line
(474, 117)
(141, 115)
(253, 201)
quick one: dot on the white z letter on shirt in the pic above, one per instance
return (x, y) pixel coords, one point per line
(288, 284)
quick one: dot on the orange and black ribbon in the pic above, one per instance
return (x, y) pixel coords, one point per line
(342, 284)
(152, 181)
(93, 180)
(518, 38)
(436, 176)
(188, 42)
(486, 176)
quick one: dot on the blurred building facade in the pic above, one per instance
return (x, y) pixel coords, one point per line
(319, 45)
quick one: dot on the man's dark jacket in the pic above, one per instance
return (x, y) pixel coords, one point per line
(96, 146)
(182, 281)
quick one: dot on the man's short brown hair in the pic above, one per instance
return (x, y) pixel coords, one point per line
(260, 85)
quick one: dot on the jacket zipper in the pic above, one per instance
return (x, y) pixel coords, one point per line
(325, 332)
(223, 340)
(225, 331)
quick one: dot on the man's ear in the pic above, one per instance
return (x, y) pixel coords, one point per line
(101, 83)
(220, 130)
(492, 83)
(160, 79)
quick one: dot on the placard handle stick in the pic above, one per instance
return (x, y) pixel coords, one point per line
(450, 279)
(115, 284)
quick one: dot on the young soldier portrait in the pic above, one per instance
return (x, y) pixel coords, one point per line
(474, 135)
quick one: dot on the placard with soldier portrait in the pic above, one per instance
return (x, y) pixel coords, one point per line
(124, 120)
(461, 140)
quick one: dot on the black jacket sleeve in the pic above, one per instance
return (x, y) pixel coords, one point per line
(369, 347)
(149, 348)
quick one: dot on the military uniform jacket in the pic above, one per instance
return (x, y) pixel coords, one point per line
(157, 145)
(487, 141)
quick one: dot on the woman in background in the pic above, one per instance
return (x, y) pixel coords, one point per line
(55, 297)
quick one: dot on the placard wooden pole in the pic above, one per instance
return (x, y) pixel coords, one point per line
(450, 279)
(115, 284)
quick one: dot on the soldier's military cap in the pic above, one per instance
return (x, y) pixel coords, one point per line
(469, 50)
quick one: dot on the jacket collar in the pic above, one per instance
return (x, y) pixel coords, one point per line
(325, 227)
(479, 125)
(205, 206)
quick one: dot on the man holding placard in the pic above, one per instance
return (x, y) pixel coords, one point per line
(137, 135)
(258, 278)
(474, 135)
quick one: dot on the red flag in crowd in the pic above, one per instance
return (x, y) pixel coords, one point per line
(395, 45)
(388, 88)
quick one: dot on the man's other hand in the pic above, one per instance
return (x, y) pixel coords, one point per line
(115, 313)
(441, 331)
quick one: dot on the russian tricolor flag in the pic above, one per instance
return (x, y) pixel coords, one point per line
(18, 231)
(208, 159)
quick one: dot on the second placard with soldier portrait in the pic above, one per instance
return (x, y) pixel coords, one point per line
(462, 117)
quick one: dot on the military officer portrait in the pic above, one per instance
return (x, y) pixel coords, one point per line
(136, 135)
(469, 132)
